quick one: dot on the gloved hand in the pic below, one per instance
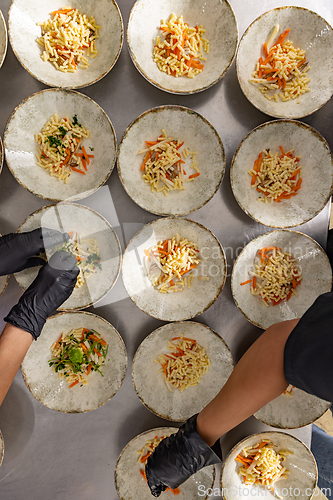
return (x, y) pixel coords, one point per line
(177, 457)
(18, 250)
(53, 285)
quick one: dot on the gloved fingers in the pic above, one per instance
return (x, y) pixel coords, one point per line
(31, 262)
(64, 261)
(51, 237)
(155, 486)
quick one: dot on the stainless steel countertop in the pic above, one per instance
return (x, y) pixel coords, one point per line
(64, 456)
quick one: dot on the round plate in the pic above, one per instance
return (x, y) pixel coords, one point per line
(315, 268)
(291, 412)
(191, 301)
(150, 385)
(2, 448)
(198, 135)
(70, 217)
(23, 32)
(51, 390)
(130, 484)
(309, 32)
(301, 464)
(30, 117)
(3, 39)
(221, 31)
(317, 173)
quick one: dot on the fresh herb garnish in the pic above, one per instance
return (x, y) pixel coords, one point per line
(91, 149)
(95, 260)
(53, 141)
(62, 130)
(75, 122)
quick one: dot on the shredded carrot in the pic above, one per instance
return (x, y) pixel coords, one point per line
(79, 171)
(246, 282)
(194, 175)
(73, 384)
(89, 367)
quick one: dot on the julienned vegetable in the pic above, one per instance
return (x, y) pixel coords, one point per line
(77, 354)
(163, 166)
(275, 276)
(275, 177)
(281, 73)
(180, 54)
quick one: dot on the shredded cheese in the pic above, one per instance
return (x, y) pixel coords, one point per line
(261, 464)
(68, 39)
(275, 177)
(181, 53)
(168, 261)
(185, 365)
(282, 72)
(58, 147)
(163, 166)
(275, 276)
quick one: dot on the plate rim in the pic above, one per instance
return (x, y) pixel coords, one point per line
(260, 434)
(69, 87)
(122, 379)
(202, 227)
(165, 89)
(161, 108)
(166, 417)
(256, 238)
(78, 309)
(256, 105)
(261, 126)
(76, 197)
(2, 20)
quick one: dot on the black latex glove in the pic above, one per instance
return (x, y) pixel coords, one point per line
(18, 250)
(177, 457)
(53, 285)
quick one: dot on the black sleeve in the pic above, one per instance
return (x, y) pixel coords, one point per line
(308, 354)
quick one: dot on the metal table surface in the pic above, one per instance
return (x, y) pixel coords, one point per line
(68, 456)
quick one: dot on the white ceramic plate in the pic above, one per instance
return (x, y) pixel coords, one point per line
(221, 30)
(30, 117)
(301, 481)
(309, 32)
(316, 272)
(191, 301)
(198, 135)
(70, 217)
(317, 173)
(291, 412)
(150, 385)
(3, 39)
(130, 484)
(2, 448)
(51, 390)
(23, 32)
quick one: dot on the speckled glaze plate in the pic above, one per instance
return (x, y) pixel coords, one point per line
(300, 483)
(291, 412)
(309, 32)
(198, 135)
(221, 30)
(70, 217)
(3, 39)
(30, 117)
(51, 390)
(150, 385)
(189, 302)
(315, 268)
(317, 173)
(130, 484)
(23, 32)
(2, 448)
